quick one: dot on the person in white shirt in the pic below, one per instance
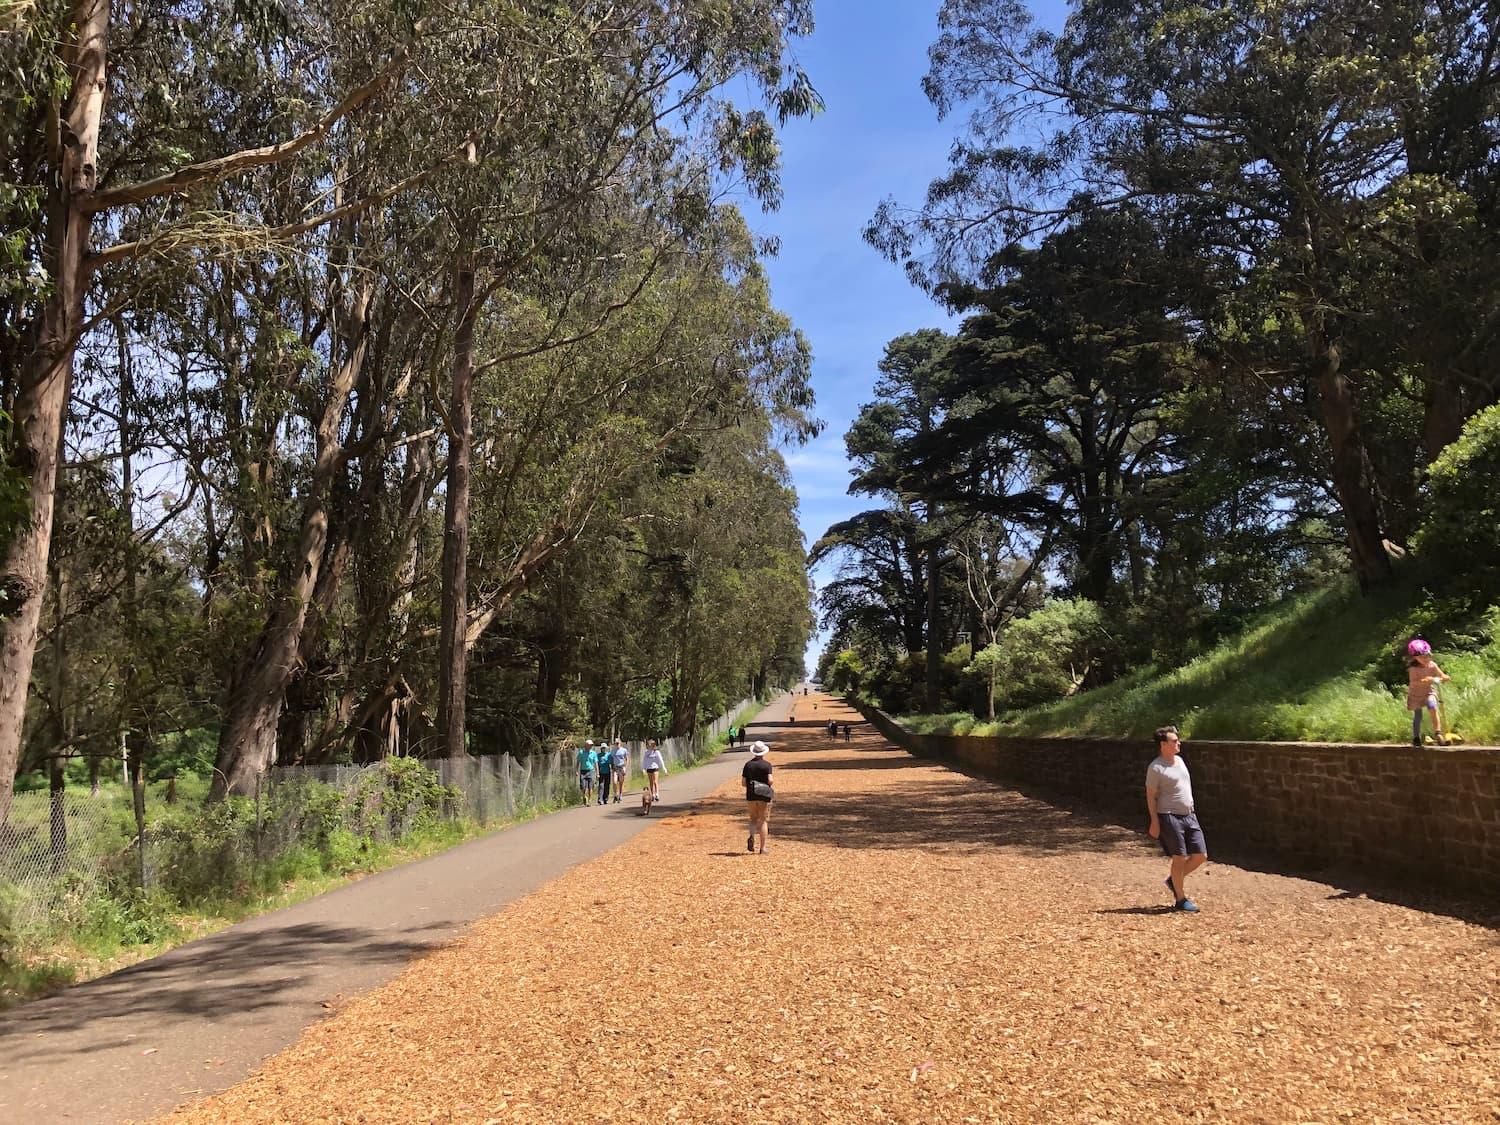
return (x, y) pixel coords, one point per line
(1174, 820)
(654, 765)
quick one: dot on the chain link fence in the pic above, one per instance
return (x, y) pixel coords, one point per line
(55, 849)
(59, 849)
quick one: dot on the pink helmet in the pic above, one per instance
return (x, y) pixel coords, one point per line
(1418, 647)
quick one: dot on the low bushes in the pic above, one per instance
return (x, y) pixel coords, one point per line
(214, 861)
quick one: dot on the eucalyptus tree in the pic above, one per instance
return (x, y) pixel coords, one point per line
(728, 591)
(580, 430)
(632, 145)
(111, 149)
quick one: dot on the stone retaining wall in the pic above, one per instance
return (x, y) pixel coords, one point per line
(1419, 815)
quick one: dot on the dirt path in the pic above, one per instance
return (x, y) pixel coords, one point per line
(919, 946)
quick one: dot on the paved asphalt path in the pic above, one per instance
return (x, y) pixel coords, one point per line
(201, 1017)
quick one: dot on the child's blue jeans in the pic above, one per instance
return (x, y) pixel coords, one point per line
(1416, 718)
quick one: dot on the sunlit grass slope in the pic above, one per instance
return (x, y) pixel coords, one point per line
(1325, 668)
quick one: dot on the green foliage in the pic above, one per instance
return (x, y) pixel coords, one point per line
(15, 504)
(1043, 656)
(1462, 530)
(128, 918)
(1322, 667)
(846, 674)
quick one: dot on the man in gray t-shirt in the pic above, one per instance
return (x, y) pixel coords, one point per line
(1174, 822)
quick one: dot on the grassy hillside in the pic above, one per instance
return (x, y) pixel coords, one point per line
(1326, 668)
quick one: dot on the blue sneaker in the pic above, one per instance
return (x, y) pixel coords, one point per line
(1188, 906)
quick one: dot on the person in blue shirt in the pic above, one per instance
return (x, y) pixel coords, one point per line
(588, 762)
(606, 772)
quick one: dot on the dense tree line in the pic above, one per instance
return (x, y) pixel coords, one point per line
(1229, 280)
(389, 377)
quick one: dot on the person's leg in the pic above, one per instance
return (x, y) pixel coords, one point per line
(1175, 848)
(1197, 853)
(1437, 721)
(765, 827)
(1416, 726)
(750, 819)
(1179, 877)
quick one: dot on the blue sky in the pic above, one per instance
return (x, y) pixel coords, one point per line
(879, 137)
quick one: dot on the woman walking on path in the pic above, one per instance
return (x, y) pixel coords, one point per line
(654, 765)
(758, 795)
(1422, 678)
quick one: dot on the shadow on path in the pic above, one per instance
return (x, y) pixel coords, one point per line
(938, 816)
(226, 975)
(1138, 910)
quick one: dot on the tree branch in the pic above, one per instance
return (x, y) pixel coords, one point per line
(223, 167)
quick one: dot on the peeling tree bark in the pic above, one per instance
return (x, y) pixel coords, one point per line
(247, 741)
(41, 402)
(453, 655)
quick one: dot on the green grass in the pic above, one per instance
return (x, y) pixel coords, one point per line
(117, 931)
(1321, 668)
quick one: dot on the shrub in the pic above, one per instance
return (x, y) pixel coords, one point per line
(132, 917)
(207, 855)
(847, 673)
(1462, 527)
(1043, 656)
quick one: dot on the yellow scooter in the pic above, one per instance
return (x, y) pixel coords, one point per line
(1444, 737)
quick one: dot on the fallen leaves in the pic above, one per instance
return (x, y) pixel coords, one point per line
(919, 946)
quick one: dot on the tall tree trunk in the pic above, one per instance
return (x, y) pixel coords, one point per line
(247, 740)
(934, 637)
(1443, 414)
(554, 655)
(1351, 477)
(453, 653)
(62, 732)
(41, 402)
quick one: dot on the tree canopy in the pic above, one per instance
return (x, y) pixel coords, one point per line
(1227, 273)
(347, 350)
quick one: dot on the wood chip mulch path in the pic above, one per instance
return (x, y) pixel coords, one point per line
(918, 946)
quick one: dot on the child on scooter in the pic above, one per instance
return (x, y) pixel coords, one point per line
(1423, 676)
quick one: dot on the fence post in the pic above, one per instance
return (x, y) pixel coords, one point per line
(259, 821)
(57, 814)
(138, 801)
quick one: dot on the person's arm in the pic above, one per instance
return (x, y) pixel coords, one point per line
(1154, 829)
(1441, 677)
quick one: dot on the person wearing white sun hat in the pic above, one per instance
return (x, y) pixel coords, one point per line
(758, 795)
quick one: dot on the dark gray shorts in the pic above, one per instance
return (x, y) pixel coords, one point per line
(1181, 834)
